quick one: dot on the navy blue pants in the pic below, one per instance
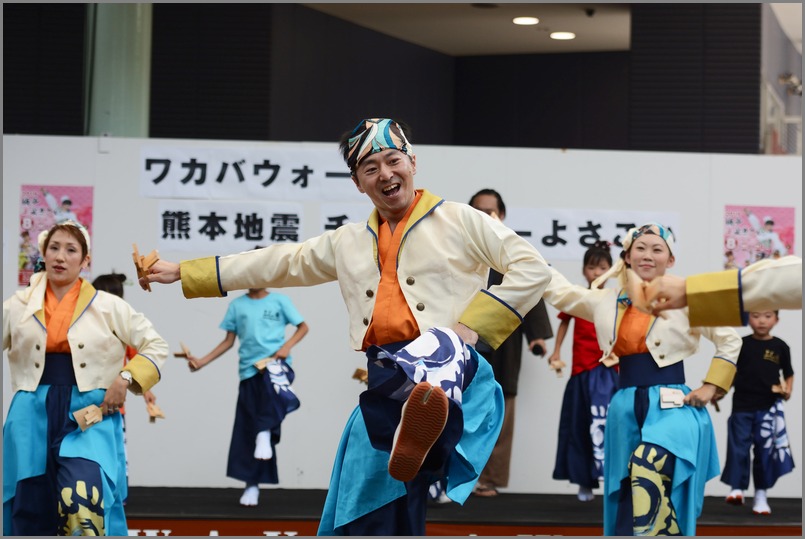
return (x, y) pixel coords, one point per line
(38, 507)
(405, 515)
(748, 438)
(258, 409)
(579, 456)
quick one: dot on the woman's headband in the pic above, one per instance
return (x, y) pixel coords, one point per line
(44, 235)
(618, 270)
(649, 228)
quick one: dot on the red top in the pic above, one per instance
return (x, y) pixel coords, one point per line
(586, 352)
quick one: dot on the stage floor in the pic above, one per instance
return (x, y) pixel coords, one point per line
(200, 511)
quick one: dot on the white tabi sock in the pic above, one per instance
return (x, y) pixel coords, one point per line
(250, 496)
(262, 446)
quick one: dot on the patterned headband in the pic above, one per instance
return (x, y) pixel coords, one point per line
(618, 270)
(44, 235)
(375, 135)
(649, 228)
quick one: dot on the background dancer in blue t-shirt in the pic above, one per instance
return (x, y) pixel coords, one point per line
(259, 319)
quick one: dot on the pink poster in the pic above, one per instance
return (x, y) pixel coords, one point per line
(41, 207)
(752, 233)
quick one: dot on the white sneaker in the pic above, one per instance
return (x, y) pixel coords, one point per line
(250, 496)
(761, 505)
(585, 494)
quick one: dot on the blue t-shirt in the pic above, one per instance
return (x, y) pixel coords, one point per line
(260, 325)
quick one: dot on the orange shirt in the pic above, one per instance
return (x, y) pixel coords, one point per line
(392, 319)
(58, 315)
(632, 333)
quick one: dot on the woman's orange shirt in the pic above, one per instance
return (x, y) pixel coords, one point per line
(632, 333)
(58, 315)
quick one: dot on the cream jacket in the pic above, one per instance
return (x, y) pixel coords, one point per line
(102, 325)
(669, 339)
(721, 298)
(442, 266)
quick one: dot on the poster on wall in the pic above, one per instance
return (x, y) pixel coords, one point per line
(41, 207)
(752, 233)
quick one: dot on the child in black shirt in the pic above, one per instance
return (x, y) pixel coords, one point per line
(757, 414)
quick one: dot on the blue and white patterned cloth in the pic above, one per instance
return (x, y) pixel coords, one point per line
(771, 457)
(282, 376)
(775, 440)
(438, 357)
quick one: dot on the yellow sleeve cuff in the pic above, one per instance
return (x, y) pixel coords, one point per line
(721, 373)
(491, 319)
(200, 278)
(144, 374)
(714, 299)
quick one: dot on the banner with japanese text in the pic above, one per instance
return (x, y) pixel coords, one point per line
(222, 227)
(752, 233)
(559, 234)
(274, 171)
(227, 226)
(334, 214)
(41, 207)
(565, 234)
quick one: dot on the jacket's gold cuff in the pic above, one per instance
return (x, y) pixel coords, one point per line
(144, 374)
(200, 278)
(721, 373)
(714, 299)
(491, 319)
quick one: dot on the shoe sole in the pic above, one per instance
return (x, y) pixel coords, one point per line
(735, 501)
(424, 416)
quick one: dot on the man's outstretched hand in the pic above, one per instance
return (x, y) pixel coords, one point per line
(666, 292)
(163, 272)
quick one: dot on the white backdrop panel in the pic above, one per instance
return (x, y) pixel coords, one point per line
(189, 447)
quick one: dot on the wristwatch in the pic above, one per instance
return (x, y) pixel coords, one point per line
(126, 375)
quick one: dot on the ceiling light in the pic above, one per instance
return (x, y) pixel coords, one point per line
(525, 21)
(563, 35)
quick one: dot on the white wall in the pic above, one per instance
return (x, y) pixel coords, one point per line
(189, 447)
